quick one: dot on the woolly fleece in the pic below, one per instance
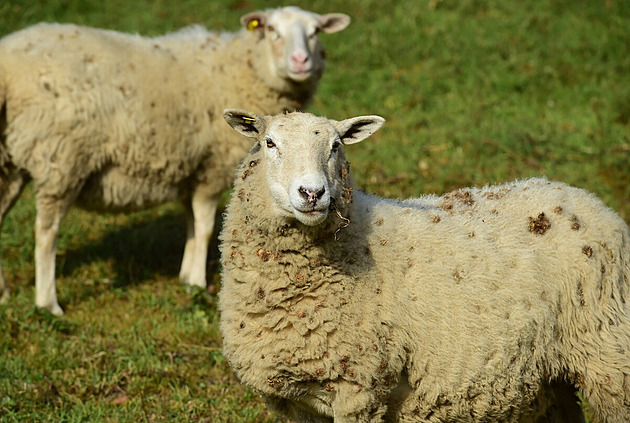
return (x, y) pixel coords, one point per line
(484, 304)
(117, 122)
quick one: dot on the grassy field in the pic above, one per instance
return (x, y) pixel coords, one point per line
(474, 92)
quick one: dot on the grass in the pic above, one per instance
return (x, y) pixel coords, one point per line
(474, 92)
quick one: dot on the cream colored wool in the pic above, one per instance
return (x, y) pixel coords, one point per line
(483, 305)
(117, 121)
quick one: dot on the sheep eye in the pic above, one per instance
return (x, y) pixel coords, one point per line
(270, 144)
(314, 34)
(335, 146)
(272, 31)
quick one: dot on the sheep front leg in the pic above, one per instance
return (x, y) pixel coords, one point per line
(200, 223)
(4, 291)
(355, 404)
(363, 416)
(50, 211)
(189, 248)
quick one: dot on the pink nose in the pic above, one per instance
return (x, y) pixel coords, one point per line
(299, 58)
(311, 196)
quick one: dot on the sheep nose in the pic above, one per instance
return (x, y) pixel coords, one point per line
(299, 58)
(311, 196)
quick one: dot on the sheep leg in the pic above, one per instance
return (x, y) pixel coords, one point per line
(294, 410)
(605, 379)
(189, 248)
(356, 406)
(10, 188)
(50, 211)
(361, 417)
(201, 224)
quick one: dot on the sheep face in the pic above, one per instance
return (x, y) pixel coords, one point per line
(303, 157)
(291, 39)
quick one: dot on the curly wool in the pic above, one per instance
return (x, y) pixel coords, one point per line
(112, 121)
(478, 305)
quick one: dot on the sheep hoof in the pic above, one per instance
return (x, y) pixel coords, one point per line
(5, 296)
(55, 310)
(190, 283)
(184, 275)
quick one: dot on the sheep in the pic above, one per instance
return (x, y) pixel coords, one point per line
(484, 304)
(113, 121)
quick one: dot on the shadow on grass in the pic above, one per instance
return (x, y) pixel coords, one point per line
(138, 252)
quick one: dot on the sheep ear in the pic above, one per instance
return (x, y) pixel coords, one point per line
(245, 123)
(357, 129)
(254, 21)
(334, 22)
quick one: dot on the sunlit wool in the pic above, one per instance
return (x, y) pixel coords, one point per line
(488, 304)
(118, 121)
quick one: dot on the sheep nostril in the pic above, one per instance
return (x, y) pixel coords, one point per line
(299, 58)
(311, 196)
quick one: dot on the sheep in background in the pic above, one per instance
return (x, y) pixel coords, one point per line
(490, 304)
(113, 121)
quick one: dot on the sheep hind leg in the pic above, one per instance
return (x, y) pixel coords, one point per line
(604, 379)
(200, 224)
(11, 186)
(607, 397)
(50, 211)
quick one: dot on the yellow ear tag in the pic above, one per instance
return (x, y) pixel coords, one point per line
(248, 119)
(253, 24)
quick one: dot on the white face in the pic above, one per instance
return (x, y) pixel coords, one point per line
(291, 38)
(303, 162)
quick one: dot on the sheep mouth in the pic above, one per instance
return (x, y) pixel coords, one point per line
(311, 217)
(300, 74)
(314, 212)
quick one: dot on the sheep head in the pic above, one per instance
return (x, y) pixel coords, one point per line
(291, 39)
(304, 162)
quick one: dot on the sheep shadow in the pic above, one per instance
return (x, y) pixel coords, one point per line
(140, 251)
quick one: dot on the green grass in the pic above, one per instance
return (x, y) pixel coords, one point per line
(474, 92)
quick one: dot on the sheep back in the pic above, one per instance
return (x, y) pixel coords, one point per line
(80, 101)
(511, 285)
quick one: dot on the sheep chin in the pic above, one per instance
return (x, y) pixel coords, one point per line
(311, 218)
(300, 76)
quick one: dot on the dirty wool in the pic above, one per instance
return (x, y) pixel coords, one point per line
(114, 121)
(484, 304)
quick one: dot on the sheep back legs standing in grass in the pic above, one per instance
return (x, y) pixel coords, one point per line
(492, 304)
(116, 121)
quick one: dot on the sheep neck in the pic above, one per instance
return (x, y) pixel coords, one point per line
(283, 280)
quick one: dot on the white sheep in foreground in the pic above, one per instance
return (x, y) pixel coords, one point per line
(113, 121)
(492, 304)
